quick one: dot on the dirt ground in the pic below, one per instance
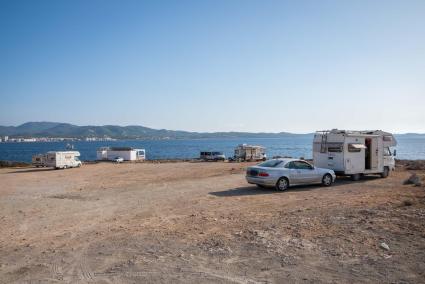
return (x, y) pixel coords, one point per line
(201, 222)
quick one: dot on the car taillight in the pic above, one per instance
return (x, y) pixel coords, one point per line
(263, 174)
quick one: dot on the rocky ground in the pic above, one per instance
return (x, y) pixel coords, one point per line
(201, 222)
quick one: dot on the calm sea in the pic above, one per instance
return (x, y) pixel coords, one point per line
(299, 146)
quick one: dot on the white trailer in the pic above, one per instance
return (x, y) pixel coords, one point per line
(127, 153)
(246, 152)
(355, 153)
(63, 160)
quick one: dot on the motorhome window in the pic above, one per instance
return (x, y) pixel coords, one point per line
(270, 164)
(336, 147)
(351, 148)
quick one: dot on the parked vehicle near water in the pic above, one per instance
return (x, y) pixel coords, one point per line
(283, 173)
(39, 160)
(212, 156)
(244, 152)
(127, 153)
(355, 153)
(118, 160)
(63, 160)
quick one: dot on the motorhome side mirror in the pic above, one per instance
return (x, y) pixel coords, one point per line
(395, 152)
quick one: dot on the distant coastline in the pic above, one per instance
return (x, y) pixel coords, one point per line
(59, 132)
(52, 131)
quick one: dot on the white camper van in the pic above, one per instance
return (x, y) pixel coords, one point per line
(39, 160)
(244, 152)
(355, 153)
(63, 160)
(127, 153)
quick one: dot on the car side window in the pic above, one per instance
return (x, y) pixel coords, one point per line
(290, 165)
(302, 165)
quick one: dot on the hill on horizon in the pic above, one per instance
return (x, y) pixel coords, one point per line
(56, 129)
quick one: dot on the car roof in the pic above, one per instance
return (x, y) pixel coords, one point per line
(287, 160)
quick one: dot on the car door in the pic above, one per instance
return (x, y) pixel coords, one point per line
(306, 172)
(293, 173)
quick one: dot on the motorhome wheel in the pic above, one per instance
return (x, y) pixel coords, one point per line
(385, 173)
(355, 177)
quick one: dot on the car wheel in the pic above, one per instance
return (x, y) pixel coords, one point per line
(355, 177)
(282, 184)
(385, 173)
(327, 180)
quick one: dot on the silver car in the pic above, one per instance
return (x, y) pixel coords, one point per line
(282, 173)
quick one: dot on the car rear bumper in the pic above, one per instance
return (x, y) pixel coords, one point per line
(261, 181)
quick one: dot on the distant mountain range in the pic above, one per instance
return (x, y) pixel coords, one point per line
(54, 129)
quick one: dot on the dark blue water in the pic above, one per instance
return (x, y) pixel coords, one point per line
(297, 146)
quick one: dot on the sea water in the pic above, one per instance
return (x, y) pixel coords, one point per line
(409, 147)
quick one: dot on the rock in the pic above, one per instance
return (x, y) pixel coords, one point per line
(413, 179)
(384, 246)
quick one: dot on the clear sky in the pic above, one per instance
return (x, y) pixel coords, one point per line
(199, 65)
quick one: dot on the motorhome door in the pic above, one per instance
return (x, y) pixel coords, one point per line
(374, 154)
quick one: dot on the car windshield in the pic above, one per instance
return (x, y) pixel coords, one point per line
(270, 163)
(217, 153)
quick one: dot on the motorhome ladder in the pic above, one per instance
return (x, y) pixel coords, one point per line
(324, 142)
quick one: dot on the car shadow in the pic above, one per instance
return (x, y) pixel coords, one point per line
(243, 191)
(31, 170)
(255, 190)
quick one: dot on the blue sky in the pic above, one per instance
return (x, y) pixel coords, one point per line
(273, 66)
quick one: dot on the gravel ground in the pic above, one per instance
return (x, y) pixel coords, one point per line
(201, 222)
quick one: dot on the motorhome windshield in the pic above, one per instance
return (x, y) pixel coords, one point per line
(387, 151)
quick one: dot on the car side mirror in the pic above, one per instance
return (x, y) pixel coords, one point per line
(395, 152)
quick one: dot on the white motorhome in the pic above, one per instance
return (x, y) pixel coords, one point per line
(355, 153)
(246, 152)
(63, 160)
